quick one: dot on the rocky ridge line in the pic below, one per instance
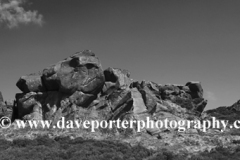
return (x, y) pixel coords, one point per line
(78, 85)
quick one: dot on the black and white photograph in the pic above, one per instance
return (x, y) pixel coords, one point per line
(119, 80)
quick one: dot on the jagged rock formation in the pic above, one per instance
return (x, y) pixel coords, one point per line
(78, 78)
(78, 85)
(230, 113)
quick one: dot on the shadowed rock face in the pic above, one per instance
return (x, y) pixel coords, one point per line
(6, 108)
(196, 89)
(26, 102)
(115, 78)
(120, 77)
(1, 97)
(77, 85)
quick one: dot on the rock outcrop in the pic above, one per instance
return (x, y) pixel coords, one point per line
(1, 97)
(230, 113)
(6, 108)
(81, 72)
(196, 90)
(78, 85)
(31, 83)
(78, 78)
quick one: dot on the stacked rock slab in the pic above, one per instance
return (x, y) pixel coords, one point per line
(78, 78)
(77, 85)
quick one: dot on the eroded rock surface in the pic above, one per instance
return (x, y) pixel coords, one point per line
(31, 83)
(78, 78)
(78, 86)
(80, 72)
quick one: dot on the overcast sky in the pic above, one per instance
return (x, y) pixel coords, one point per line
(164, 41)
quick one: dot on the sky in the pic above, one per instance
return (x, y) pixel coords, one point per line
(164, 41)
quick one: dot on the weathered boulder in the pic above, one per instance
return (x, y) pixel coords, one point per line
(80, 72)
(200, 104)
(77, 79)
(119, 101)
(149, 100)
(123, 102)
(189, 96)
(81, 99)
(31, 83)
(170, 91)
(196, 90)
(27, 102)
(150, 87)
(108, 88)
(116, 78)
(150, 93)
(36, 114)
(120, 77)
